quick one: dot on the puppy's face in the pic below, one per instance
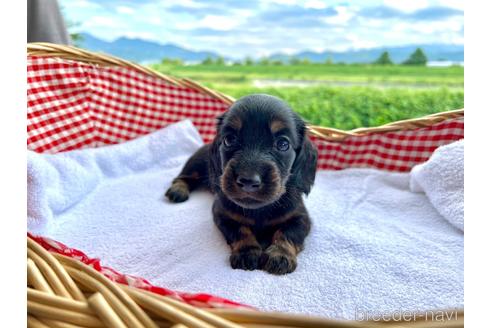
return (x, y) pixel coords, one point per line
(259, 143)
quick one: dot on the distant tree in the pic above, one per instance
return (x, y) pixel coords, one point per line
(220, 61)
(277, 63)
(294, 61)
(237, 63)
(328, 61)
(248, 61)
(171, 61)
(208, 61)
(305, 61)
(384, 59)
(264, 61)
(416, 58)
(76, 37)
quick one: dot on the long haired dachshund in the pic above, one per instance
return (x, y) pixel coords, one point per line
(258, 166)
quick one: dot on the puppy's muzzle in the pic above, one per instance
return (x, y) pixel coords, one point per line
(249, 182)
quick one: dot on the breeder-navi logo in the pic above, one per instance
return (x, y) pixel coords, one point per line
(405, 315)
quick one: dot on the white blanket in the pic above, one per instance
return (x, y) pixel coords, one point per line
(442, 178)
(375, 246)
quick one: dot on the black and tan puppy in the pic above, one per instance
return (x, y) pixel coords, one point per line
(258, 166)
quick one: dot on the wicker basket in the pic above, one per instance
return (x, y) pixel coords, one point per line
(66, 292)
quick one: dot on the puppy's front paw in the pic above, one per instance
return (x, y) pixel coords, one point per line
(178, 192)
(277, 260)
(246, 259)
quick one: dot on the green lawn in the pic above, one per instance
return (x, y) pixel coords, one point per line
(373, 95)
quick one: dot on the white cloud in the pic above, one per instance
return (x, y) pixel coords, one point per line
(343, 16)
(289, 51)
(346, 30)
(253, 41)
(80, 4)
(124, 10)
(356, 42)
(102, 21)
(281, 2)
(183, 3)
(373, 22)
(214, 22)
(315, 4)
(318, 49)
(142, 35)
(456, 4)
(243, 13)
(448, 31)
(434, 28)
(457, 40)
(337, 29)
(407, 5)
(154, 20)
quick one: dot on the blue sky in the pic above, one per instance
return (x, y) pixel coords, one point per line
(261, 27)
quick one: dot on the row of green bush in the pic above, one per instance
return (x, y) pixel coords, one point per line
(353, 107)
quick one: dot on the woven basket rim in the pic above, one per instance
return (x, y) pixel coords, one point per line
(63, 291)
(326, 133)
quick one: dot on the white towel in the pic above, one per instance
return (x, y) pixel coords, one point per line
(375, 246)
(442, 179)
(57, 182)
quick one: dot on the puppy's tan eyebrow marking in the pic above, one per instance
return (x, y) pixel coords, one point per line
(277, 125)
(235, 123)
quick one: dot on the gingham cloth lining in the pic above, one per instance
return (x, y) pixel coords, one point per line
(200, 300)
(73, 105)
(390, 151)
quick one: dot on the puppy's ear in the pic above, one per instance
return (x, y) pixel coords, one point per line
(220, 120)
(215, 163)
(304, 167)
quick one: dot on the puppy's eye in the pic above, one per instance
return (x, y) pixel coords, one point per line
(230, 140)
(282, 144)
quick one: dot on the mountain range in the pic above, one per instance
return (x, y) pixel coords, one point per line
(144, 51)
(434, 52)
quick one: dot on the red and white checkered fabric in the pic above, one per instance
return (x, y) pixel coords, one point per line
(390, 151)
(73, 105)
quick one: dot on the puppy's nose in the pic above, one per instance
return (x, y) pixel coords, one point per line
(249, 183)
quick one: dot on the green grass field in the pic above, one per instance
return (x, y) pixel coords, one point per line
(340, 96)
